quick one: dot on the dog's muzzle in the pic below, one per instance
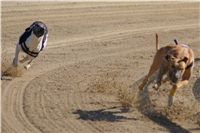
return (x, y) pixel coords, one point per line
(38, 30)
(175, 76)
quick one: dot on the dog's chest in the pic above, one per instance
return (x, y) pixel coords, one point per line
(33, 43)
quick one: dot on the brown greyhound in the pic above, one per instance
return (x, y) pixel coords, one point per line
(175, 61)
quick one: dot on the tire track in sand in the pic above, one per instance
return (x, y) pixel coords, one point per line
(13, 116)
(13, 107)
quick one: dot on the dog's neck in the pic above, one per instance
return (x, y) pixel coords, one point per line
(33, 42)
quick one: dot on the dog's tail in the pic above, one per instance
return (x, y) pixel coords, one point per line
(176, 41)
(157, 46)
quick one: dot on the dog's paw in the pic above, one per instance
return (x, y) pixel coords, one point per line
(156, 86)
(24, 59)
(178, 85)
(170, 101)
(27, 66)
(14, 63)
(21, 61)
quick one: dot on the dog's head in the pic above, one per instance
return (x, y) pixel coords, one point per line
(39, 29)
(177, 59)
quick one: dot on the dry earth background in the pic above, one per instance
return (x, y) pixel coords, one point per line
(86, 79)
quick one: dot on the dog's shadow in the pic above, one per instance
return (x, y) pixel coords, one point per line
(197, 59)
(196, 86)
(146, 107)
(196, 89)
(102, 115)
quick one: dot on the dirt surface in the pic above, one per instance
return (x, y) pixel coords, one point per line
(86, 80)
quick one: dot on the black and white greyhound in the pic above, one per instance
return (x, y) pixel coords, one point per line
(31, 42)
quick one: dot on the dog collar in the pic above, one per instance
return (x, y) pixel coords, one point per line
(27, 51)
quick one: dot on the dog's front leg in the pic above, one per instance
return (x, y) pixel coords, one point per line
(171, 95)
(15, 60)
(173, 91)
(29, 63)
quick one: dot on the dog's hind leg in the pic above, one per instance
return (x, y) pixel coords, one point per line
(15, 60)
(162, 71)
(153, 69)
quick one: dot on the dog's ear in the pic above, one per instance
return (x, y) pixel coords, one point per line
(169, 58)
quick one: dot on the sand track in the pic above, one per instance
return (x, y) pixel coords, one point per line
(87, 40)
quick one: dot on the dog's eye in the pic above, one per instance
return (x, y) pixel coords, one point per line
(185, 59)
